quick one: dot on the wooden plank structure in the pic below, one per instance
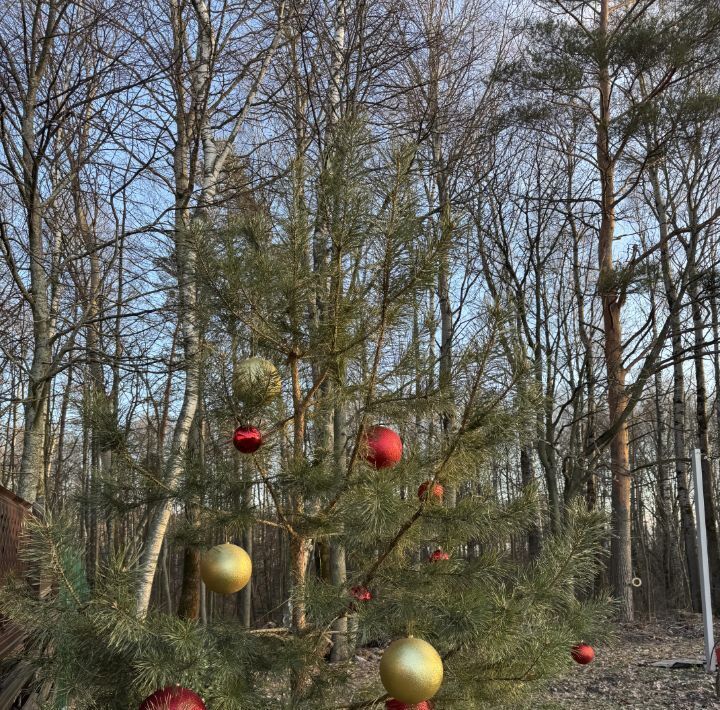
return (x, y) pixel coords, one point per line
(14, 692)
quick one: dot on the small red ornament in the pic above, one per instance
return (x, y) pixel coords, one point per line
(393, 704)
(382, 447)
(436, 492)
(173, 697)
(439, 556)
(362, 594)
(583, 653)
(247, 439)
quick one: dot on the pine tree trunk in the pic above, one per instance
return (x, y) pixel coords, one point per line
(300, 546)
(338, 573)
(621, 526)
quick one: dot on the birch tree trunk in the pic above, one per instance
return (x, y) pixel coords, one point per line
(194, 130)
(186, 257)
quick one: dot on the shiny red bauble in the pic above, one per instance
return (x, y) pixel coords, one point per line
(382, 447)
(583, 654)
(247, 439)
(425, 491)
(439, 556)
(173, 697)
(362, 594)
(393, 704)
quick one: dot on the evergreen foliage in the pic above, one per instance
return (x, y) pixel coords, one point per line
(499, 621)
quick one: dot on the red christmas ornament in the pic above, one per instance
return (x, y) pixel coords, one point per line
(393, 704)
(247, 439)
(439, 556)
(362, 594)
(583, 654)
(173, 697)
(382, 447)
(436, 492)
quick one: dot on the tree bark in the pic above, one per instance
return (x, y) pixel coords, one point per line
(621, 525)
(186, 257)
(32, 463)
(680, 451)
(527, 478)
(711, 523)
(189, 604)
(664, 493)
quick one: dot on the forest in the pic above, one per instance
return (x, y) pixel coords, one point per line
(331, 323)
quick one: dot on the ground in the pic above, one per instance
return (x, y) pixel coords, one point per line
(620, 678)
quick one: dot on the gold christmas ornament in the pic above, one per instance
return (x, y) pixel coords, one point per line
(411, 670)
(256, 381)
(225, 568)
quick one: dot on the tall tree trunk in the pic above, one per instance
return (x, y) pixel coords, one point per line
(680, 452)
(338, 572)
(527, 478)
(711, 524)
(664, 493)
(621, 525)
(587, 469)
(186, 257)
(98, 404)
(189, 603)
(175, 466)
(544, 421)
(714, 286)
(300, 546)
(32, 463)
(246, 617)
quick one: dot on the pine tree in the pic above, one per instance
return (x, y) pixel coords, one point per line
(326, 285)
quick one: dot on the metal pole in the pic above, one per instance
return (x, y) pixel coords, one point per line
(703, 561)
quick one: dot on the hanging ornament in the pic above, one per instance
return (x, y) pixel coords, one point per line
(432, 492)
(394, 704)
(225, 568)
(439, 556)
(362, 594)
(411, 670)
(256, 381)
(173, 698)
(382, 447)
(583, 653)
(247, 439)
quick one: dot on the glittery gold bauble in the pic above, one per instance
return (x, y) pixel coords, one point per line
(411, 670)
(256, 381)
(226, 568)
